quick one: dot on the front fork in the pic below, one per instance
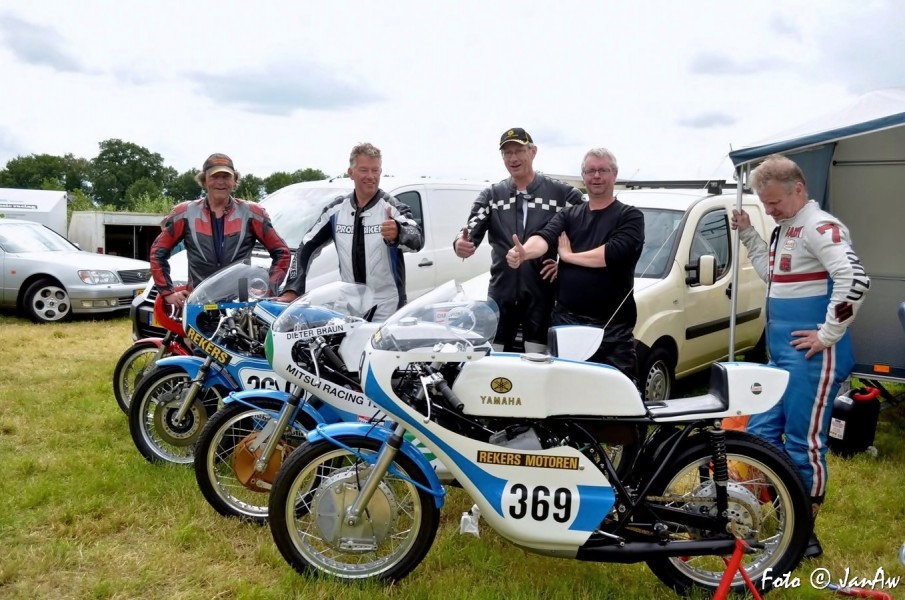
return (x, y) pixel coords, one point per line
(277, 428)
(384, 459)
(193, 390)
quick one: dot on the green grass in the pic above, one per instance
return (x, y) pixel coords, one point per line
(84, 516)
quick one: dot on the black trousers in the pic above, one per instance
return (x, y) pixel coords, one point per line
(617, 348)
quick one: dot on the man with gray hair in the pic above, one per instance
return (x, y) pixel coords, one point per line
(815, 285)
(599, 244)
(371, 229)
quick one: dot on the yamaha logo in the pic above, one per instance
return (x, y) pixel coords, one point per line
(501, 385)
(756, 388)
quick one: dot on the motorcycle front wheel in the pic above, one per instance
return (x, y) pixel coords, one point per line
(767, 502)
(157, 433)
(307, 513)
(228, 450)
(134, 362)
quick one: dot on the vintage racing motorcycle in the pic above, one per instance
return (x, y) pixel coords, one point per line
(226, 319)
(517, 432)
(243, 445)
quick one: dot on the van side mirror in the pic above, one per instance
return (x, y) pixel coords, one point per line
(702, 272)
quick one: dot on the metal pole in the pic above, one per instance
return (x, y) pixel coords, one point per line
(735, 263)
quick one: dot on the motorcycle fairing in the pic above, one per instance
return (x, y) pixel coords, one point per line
(332, 431)
(580, 495)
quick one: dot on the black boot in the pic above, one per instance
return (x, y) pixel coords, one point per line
(814, 549)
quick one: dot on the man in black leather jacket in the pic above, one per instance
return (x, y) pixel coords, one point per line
(520, 206)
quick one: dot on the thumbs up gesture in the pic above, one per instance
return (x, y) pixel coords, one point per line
(516, 254)
(389, 229)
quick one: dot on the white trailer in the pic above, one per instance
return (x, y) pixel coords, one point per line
(47, 207)
(120, 233)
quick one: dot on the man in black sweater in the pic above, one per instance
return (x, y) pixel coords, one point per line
(599, 243)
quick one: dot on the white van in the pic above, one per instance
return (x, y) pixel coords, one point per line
(440, 207)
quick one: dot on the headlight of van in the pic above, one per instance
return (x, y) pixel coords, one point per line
(98, 277)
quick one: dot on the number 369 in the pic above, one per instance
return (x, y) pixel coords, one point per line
(541, 503)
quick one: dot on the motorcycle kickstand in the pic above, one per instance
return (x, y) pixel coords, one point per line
(193, 390)
(381, 466)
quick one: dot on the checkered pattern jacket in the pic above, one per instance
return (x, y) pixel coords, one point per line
(497, 212)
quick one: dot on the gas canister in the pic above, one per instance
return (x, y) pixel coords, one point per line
(854, 421)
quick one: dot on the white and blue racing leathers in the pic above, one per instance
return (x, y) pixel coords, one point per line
(364, 255)
(815, 281)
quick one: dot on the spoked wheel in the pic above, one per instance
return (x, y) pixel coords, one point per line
(308, 504)
(767, 502)
(228, 450)
(156, 431)
(134, 362)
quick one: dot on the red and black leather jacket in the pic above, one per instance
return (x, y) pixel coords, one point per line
(244, 223)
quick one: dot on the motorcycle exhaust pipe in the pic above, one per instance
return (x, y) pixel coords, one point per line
(633, 552)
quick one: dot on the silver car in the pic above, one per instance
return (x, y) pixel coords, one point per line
(48, 279)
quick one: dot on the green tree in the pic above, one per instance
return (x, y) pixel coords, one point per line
(78, 200)
(142, 188)
(184, 187)
(118, 165)
(277, 180)
(308, 175)
(250, 188)
(37, 171)
(152, 203)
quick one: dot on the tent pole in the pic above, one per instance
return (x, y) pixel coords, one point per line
(735, 263)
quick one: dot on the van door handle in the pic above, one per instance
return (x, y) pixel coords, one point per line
(426, 262)
(729, 291)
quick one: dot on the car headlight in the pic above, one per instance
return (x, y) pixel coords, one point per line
(98, 277)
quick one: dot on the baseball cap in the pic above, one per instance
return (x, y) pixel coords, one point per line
(218, 163)
(516, 134)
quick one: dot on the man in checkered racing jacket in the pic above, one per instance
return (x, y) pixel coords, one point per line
(815, 286)
(520, 205)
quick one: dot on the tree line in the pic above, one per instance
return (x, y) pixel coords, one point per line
(128, 177)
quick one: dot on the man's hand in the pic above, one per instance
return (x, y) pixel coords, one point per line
(807, 340)
(740, 220)
(177, 298)
(516, 254)
(463, 246)
(565, 247)
(549, 270)
(287, 296)
(389, 229)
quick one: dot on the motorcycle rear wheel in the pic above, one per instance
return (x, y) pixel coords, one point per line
(135, 362)
(767, 500)
(308, 501)
(215, 453)
(156, 434)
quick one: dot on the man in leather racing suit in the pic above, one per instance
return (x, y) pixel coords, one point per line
(520, 205)
(371, 230)
(217, 231)
(815, 286)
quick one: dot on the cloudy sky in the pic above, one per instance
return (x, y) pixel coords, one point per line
(669, 87)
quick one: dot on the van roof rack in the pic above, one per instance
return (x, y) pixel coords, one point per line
(713, 186)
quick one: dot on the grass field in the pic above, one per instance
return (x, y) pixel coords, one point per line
(84, 516)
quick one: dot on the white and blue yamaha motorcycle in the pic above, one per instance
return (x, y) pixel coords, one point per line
(520, 433)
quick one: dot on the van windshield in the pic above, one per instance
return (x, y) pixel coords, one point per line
(660, 228)
(293, 210)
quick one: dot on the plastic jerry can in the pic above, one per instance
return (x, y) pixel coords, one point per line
(854, 421)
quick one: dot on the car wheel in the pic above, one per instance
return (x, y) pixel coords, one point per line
(657, 376)
(46, 301)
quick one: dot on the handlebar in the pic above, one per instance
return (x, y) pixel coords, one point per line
(451, 401)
